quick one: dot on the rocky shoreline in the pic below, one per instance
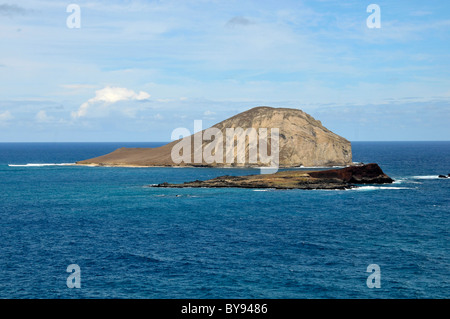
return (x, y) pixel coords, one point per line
(344, 178)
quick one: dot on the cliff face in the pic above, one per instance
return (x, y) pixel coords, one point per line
(302, 141)
(361, 174)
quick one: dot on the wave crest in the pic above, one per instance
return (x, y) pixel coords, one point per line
(428, 177)
(40, 165)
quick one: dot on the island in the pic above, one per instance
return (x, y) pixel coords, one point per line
(343, 178)
(299, 141)
(302, 141)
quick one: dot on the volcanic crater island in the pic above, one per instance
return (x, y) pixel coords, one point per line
(302, 142)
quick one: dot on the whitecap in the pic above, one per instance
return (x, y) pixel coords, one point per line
(40, 165)
(371, 188)
(405, 181)
(428, 177)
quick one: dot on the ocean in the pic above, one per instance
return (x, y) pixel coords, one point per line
(134, 241)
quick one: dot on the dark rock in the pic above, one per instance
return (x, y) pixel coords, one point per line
(294, 179)
(165, 184)
(361, 174)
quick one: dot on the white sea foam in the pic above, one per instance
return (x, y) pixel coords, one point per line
(406, 180)
(40, 165)
(372, 188)
(428, 177)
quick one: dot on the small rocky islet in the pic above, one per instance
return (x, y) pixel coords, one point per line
(344, 178)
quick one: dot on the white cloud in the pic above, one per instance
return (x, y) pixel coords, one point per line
(42, 117)
(165, 100)
(6, 116)
(209, 113)
(110, 95)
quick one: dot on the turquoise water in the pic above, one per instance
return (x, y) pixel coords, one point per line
(132, 241)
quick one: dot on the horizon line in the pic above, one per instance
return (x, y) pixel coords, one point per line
(358, 141)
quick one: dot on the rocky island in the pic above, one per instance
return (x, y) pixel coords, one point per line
(303, 141)
(300, 141)
(343, 178)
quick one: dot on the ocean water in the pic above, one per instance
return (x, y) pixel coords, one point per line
(133, 241)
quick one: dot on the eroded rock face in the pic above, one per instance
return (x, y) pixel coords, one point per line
(363, 174)
(302, 141)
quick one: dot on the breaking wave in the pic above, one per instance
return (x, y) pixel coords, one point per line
(40, 165)
(428, 177)
(371, 188)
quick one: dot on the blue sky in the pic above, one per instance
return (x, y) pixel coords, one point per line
(136, 70)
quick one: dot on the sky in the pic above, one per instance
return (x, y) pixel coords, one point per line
(137, 70)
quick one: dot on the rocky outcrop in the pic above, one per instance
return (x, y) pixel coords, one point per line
(302, 141)
(343, 178)
(361, 174)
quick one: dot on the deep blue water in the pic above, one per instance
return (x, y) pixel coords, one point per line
(132, 241)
